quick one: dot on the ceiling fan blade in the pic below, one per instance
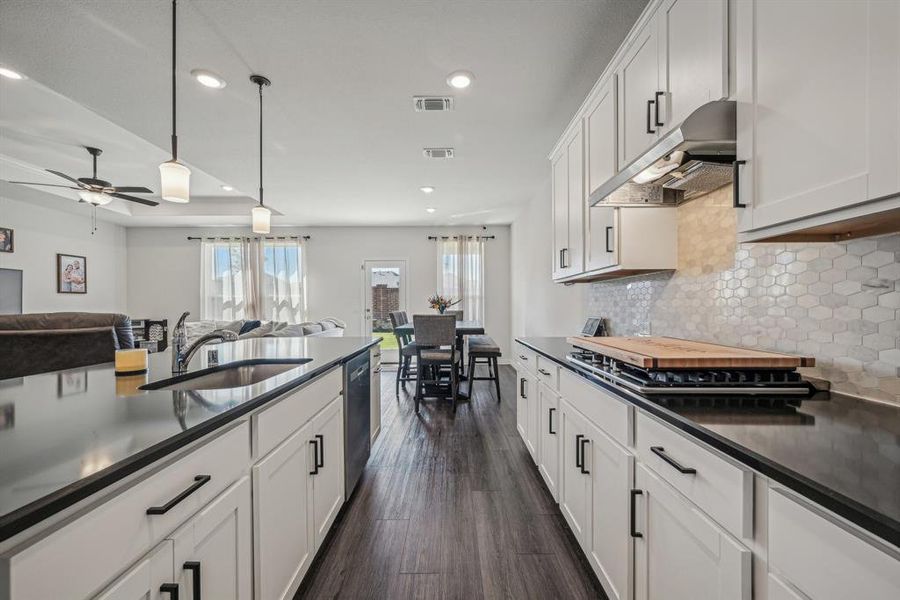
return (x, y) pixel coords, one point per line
(134, 199)
(68, 187)
(133, 190)
(64, 176)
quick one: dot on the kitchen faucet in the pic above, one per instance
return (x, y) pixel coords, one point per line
(182, 352)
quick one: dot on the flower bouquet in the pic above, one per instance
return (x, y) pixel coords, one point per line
(441, 303)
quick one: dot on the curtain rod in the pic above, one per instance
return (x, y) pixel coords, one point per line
(456, 237)
(255, 237)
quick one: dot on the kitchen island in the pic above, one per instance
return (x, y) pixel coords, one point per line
(76, 443)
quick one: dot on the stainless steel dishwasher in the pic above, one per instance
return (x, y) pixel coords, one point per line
(357, 419)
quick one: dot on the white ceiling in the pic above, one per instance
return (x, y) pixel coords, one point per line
(343, 144)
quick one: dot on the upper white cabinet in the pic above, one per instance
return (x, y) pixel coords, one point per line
(818, 90)
(638, 75)
(568, 205)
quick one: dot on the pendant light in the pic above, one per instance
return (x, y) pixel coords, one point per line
(260, 215)
(175, 178)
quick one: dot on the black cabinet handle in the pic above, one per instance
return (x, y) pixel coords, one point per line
(523, 357)
(199, 481)
(608, 231)
(661, 452)
(583, 442)
(550, 420)
(634, 533)
(656, 116)
(561, 259)
(522, 388)
(650, 104)
(544, 372)
(578, 459)
(736, 183)
(194, 567)
(321, 446)
(171, 589)
(315, 445)
(564, 255)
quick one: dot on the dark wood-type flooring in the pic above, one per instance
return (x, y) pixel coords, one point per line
(450, 507)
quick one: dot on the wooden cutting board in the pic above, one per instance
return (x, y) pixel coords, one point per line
(674, 353)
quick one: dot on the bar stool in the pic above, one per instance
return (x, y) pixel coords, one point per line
(483, 348)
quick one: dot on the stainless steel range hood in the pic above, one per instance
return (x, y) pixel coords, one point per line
(692, 159)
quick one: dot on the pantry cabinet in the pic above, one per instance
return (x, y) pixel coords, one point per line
(817, 93)
(679, 551)
(548, 448)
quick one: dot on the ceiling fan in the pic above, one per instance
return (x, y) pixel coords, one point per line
(97, 191)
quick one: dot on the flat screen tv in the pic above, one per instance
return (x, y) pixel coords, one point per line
(10, 292)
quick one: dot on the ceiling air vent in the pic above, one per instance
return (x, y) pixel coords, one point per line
(438, 152)
(432, 103)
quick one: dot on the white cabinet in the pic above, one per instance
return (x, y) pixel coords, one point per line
(600, 129)
(817, 93)
(327, 474)
(214, 550)
(680, 552)
(575, 479)
(612, 550)
(548, 448)
(146, 580)
(527, 408)
(283, 535)
(568, 201)
(638, 76)
(375, 394)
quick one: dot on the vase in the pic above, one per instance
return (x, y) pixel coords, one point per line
(441, 309)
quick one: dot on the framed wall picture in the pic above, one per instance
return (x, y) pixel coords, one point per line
(6, 240)
(71, 274)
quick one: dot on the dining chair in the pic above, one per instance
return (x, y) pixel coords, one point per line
(435, 348)
(407, 349)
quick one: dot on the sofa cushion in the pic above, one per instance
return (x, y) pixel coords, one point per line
(249, 326)
(311, 328)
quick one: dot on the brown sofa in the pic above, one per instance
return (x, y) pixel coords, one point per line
(42, 342)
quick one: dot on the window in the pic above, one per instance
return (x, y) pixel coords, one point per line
(251, 278)
(461, 274)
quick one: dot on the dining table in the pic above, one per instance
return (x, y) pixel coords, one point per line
(463, 328)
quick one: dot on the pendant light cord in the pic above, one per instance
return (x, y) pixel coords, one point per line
(260, 145)
(174, 136)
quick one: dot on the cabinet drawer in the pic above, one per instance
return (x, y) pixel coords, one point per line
(76, 560)
(548, 372)
(274, 424)
(612, 415)
(824, 560)
(527, 358)
(724, 490)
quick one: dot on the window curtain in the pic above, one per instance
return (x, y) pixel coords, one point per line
(461, 274)
(253, 278)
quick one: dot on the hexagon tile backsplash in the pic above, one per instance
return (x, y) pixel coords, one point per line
(838, 302)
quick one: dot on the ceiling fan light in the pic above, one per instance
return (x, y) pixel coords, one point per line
(95, 198)
(261, 218)
(175, 182)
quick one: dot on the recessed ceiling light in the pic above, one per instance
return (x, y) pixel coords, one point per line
(427, 189)
(430, 210)
(227, 188)
(460, 79)
(208, 78)
(10, 74)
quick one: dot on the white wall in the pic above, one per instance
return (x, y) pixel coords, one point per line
(40, 233)
(539, 306)
(164, 268)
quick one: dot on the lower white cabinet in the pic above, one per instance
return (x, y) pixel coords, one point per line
(375, 395)
(575, 489)
(327, 474)
(527, 411)
(679, 551)
(213, 551)
(146, 579)
(548, 448)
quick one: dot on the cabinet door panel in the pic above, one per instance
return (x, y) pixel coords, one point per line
(638, 83)
(612, 472)
(143, 580)
(600, 127)
(573, 262)
(574, 497)
(522, 404)
(603, 241)
(549, 434)
(692, 56)
(328, 483)
(219, 539)
(560, 209)
(282, 529)
(683, 554)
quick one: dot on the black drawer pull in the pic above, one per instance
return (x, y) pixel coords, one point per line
(194, 567)
(199, 481)
(550, 420)
(736, 183)
(579, 461)
(171, 589)
(583, 442)
(608, 231)
(315, 445)
(321, 445)
(522, 388)
(634, 533)
(656, 101)
(523, 357)
(661, 452)
(543, 372)
(650, 104)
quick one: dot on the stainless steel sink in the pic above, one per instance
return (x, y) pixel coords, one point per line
(231, 375)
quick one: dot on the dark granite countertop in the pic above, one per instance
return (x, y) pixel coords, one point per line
(65, 435)
(842, 453)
